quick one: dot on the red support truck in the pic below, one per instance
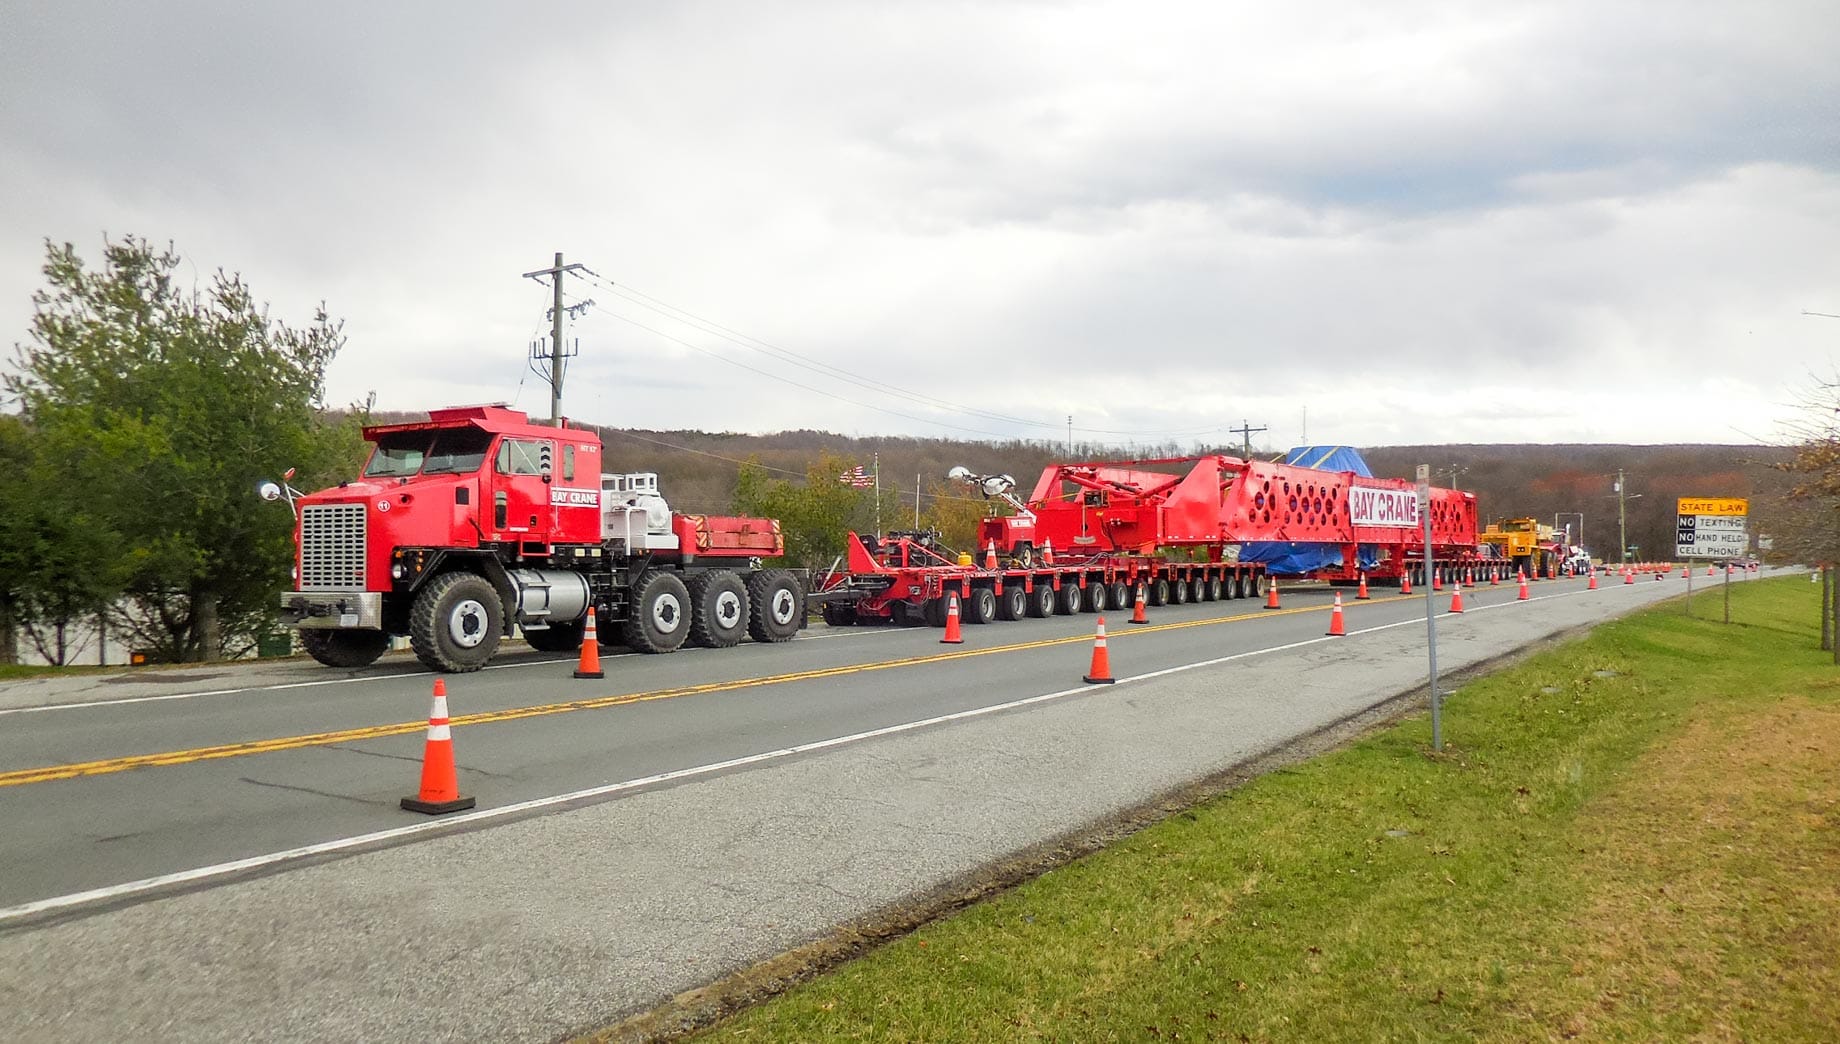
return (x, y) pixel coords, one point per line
(477, 521)
(1101, 529)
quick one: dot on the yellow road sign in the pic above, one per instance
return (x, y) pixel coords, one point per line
(1714, 506)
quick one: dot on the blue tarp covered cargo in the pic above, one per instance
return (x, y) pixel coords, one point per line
(1293, 558)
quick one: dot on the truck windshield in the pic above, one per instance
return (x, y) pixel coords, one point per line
(447, 452)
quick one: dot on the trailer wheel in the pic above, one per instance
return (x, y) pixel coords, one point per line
(1068, 601)
(659, 622)
(1178, 592)
(1257, 584)
(718, 608)
(934, 612)
(838, 614)
(344, 648)
(557, 637)
(1013, 603)
(980, 606)
(907, 614)
(1210, 589)
(456, 622)
(777, 603)
(1041, 601)
(1158, 592)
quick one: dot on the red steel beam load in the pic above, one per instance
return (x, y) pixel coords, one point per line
(1218, 501)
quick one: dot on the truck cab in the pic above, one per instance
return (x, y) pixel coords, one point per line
(476, 522)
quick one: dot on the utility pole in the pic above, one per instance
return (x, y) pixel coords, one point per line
(1622, 521)
(555, 334)
(1245, 430)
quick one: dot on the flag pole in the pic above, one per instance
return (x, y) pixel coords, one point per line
(876, 461)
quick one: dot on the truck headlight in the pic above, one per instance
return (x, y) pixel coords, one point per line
(397, 572)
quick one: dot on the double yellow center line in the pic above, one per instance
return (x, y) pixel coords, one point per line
(106, 766)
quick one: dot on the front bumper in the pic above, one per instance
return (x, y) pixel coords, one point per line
(332, 610)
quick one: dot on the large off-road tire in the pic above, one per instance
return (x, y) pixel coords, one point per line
(660, 614)
(344, 648)
(557, 637)
(775, 605)
(1013, 603)
(1041, 601)
(718, 609)
(456, 622)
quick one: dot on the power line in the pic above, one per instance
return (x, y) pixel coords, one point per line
(765, 467)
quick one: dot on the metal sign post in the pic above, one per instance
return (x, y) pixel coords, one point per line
(1424, 514)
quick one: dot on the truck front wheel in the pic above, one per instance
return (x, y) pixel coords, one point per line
(456, 622)
(344, 648)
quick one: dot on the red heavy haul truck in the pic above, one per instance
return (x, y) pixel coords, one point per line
(1090, 533)
(477, 520)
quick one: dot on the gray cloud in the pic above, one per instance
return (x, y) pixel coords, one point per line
(1414, 222)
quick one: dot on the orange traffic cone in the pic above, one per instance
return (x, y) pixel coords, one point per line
(1592, 586)
(1709, 571)
(1047, 552)
(1101, 671)
(1137, 614)
(1271, 592)
(990, 554)
(1686, 572)
(440, 791)
(1629, 576)
(1335, 618)
(1456, 597)
(1523, 596)
(590, 665)
(1437, 580)
(1405, 582)
(952, 637)
(1360, 593)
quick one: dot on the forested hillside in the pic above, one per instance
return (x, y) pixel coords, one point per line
(698, 471)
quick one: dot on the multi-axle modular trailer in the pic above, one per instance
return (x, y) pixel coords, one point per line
(1090, 533)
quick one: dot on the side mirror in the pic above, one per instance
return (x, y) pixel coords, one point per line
(269, 491)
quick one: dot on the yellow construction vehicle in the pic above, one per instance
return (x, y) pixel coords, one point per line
(1527, 544)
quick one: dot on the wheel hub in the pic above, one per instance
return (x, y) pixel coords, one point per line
(728, 609)
(666, 614)
(784, 605)
(466, 625)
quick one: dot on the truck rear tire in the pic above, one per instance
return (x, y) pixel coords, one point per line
(660, 619)
(456, 622)
(776, 604)
(1068, 600)
(718, 609)
(344, 648)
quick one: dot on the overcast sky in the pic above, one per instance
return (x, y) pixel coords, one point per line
(1393, 223)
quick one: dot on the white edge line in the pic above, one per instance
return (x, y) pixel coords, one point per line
(206, 873)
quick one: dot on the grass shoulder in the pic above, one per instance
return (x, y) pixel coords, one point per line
(1630, 836)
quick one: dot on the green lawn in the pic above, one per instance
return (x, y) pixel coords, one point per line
(1635, 836)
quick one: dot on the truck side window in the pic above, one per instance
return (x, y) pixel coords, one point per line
(516, 457)
(568, 463)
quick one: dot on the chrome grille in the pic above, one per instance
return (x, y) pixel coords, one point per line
(332, 547)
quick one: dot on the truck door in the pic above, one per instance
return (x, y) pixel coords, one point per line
(520, 498)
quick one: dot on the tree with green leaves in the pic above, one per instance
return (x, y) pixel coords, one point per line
(813, 516)
(154, 411)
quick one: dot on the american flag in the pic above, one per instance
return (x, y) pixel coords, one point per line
(856, 477)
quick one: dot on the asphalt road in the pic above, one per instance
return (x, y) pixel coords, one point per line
(218, 853)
